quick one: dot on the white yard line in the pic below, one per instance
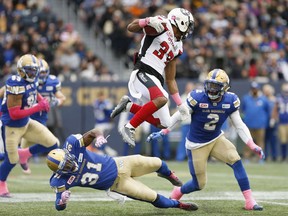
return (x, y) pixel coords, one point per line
(267, 197)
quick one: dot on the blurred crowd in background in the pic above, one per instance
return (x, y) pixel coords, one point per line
(247, 38)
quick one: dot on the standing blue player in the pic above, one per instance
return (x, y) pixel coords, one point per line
(75, 166)
(50, 88)
(280, 115)
(20, 101)
(209, 109)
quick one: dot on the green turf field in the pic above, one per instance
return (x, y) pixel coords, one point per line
(32, 195)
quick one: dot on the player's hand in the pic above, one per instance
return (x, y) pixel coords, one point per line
(54, 102)
(100, 140)
(44, 105)
(272, 123)
(184, 111)
(156, 23)
(65, 196)
(155, 136)
(257, 149)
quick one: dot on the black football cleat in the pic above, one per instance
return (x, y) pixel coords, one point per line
(188, 206)
(121, 107)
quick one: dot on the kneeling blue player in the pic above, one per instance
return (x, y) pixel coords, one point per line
(74, 166)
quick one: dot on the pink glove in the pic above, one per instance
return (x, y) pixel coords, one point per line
(44, 105)
(100, 140)
(255, 148)
(65, 196)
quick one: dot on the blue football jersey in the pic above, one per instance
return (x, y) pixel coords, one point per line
(47, 90)
(208, 117)
(95, 171)
(282, 102)
(102, 111)
(15, 85)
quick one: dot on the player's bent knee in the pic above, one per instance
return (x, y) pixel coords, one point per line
(233, 157)
(13, 158)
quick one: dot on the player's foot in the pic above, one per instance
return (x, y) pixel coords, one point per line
(176, 193)
(121, 107)
(128, 135)
(4, 190)
(24, 155)
(254, 207)
(172, 178)
(188, 206)
(25, 168)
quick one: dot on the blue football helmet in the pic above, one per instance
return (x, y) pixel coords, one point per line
(28, 67)
(216, 84)
(62, 162)
(43, 72)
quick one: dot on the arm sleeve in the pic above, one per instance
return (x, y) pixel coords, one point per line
(18, 113)
(240, 126)
(176, 118)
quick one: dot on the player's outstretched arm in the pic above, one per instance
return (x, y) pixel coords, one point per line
(175, 119)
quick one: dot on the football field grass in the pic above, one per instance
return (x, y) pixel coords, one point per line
(31, 194)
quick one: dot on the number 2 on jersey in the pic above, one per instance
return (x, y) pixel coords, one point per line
(211, 125)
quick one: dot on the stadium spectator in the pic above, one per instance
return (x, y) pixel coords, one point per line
(256, 113)
(280, 114)
(114, 175)
(16, 121)
(155, 60)
(102, 108)
(271, 141)
(256, 27)
(209, 110)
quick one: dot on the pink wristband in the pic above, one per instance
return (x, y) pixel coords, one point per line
(165, 131)
(251, 144)
(143, 22)
(176, 97)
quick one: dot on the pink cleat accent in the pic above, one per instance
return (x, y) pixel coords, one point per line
(24, 155)
(4, 190)
(176, 193)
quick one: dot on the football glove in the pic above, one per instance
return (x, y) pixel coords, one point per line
(156, 23)
(65, 196)
(44, 105)
(184, 111)
(100, 140)
(155, 136)
(257, 149)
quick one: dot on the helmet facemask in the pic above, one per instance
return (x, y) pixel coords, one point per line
(183, 20)
(214, 89)
(62, 162)
(216, 84)
(44, 72)
(27, 67)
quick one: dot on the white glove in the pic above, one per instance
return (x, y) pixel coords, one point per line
(156, 23)
(65, 196)
(184, 111)
(272, 123)
(100, 140)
